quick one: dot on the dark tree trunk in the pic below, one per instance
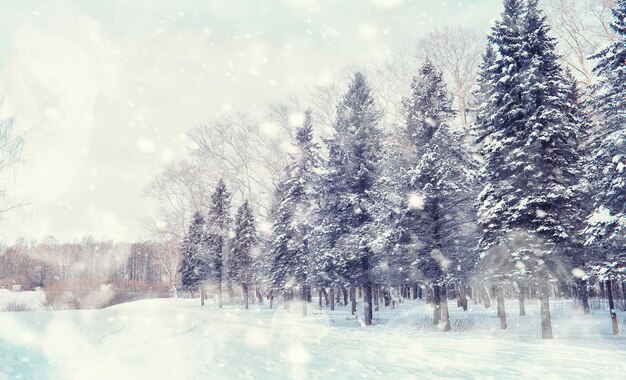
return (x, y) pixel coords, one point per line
(244, 288)
(386, 298)
(609, 290)
(437, 305)
(271, 298)
(546, 320)
(445, 315)
(338, 295)
(259, 296)
(367, 303)
(584, 295)
(353, 299)
(332, 298)
(419, 292)
(501, 310)
(319, 296)
(305, 298)
(326, 297)
(360, 295)
(522, 305)
(201, 296)
(345, 295)
(376, 296)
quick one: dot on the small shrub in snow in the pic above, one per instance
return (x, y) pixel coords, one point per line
(14, 306)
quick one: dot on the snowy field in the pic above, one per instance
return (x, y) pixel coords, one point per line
(176, 339)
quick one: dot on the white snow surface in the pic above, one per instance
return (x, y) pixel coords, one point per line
(176, 339)
(33, 300)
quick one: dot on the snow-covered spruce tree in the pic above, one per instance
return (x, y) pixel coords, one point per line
(438, 182)
(290, 259)
(218, 224)
(529, 148)
(240, 261)
(606, 227)
(352, 169)
(394, 244)
(194, 267)
(581, 204)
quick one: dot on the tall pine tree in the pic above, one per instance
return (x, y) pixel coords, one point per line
(529, 147)
(606, 228)
(439, 183)
(240, 262)
(218, 225)
(352, 169)
(290, 261)
(195, 267)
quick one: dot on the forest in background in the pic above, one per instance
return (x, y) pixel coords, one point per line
(456, 170)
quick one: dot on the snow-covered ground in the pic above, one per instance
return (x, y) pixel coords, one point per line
(32, 300)
(176, 339)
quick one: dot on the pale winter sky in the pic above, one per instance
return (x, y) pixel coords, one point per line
(108, 88)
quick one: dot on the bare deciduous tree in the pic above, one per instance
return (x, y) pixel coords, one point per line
(10, 155)
(582, 27)
(457, 52)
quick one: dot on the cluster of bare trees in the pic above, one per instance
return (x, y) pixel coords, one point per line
(128, 270)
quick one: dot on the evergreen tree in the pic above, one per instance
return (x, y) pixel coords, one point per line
(352, 170)
(194, 267)
(438, 181)
(606, 229)
(606, 226)
(218, 224)
(240, 262)
(290, 261)
(529, 147)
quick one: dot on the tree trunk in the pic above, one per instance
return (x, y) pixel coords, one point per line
(367, 303)
(522, 305)
(386, 298)
(414, 290)
(259, 296)
(584, 296)
(609, 290)
(244, 288)
(501, 310)
(419, 292)
(437, 305)
(376, 297)
(271, 297)
(353, 299)
(345, 295)
(305, 299)
(332, 299)
(319, 296)
(325, 294)
(546, 320)
(485, 296)
(360, 292)
(445, 315)
(201, 296)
